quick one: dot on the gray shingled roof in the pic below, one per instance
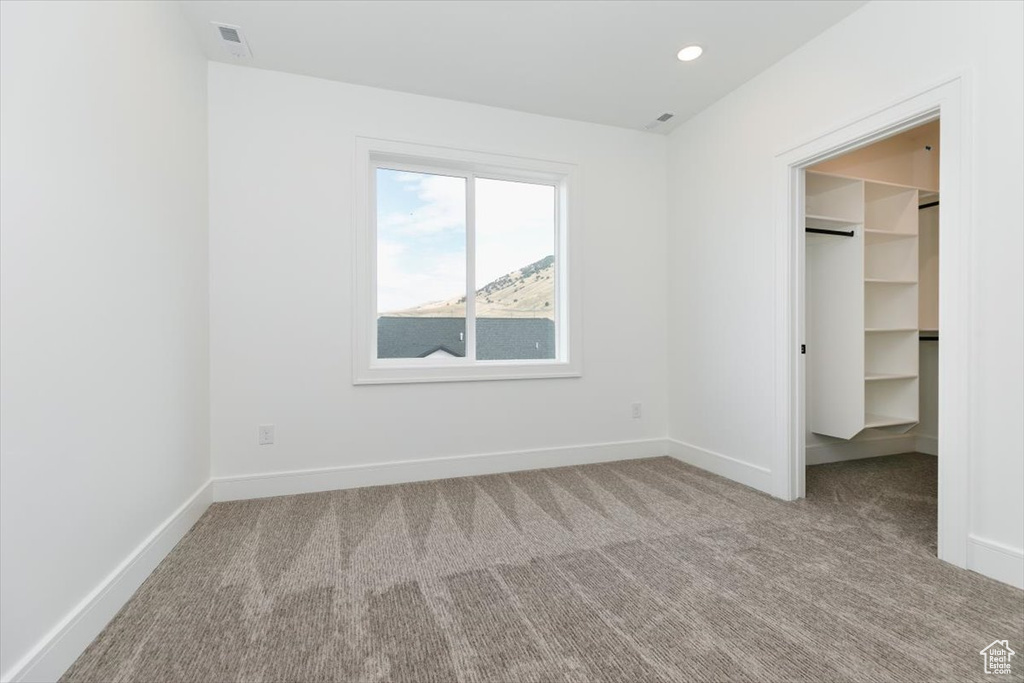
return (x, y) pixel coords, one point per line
(497, 338)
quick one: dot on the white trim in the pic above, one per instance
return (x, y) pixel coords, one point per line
(59, 648)
(246, 486)
(470, 292)
(741, 471)
(482, 371)
(996, 560)
(927, 444)
(568, 305)
(950, 100)
(858, 449)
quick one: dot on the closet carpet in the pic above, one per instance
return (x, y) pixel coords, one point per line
(642, 570)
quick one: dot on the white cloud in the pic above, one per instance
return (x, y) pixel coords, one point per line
(406, 278)
(443, 205)
(515, 226)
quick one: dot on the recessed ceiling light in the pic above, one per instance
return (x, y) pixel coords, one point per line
(690, 53)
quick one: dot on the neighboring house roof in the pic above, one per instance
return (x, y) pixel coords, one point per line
(439, 351)
(497, 338)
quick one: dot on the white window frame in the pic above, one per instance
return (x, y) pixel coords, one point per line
(372, 154)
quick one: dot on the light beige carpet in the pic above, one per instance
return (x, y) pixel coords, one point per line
(644, 570)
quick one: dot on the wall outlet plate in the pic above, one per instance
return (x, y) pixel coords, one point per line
(265, 435)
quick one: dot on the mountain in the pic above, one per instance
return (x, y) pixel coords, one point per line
(525, 293)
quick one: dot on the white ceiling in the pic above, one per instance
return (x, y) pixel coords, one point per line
(609, 62)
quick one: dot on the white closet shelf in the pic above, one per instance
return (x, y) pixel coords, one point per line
(871, 420)
(875, 235)
(873, 330)
(867, 283)
(813, 221)
(885, 281)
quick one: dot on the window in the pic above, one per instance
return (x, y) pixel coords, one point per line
(463, 268)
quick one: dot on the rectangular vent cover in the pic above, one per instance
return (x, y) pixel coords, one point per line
(230, 34)
(232, 39)
(658, 121)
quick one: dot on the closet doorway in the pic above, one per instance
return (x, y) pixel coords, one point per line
(942, 105)
(871, 329)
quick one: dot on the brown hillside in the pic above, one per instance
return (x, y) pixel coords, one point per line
(525, 293)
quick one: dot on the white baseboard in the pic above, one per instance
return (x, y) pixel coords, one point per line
(869, 447)
(738, 470)
(996, 560)
(929, 445)
(286, 483)
(59, 648)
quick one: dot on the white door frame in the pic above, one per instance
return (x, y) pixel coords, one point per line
(947, 100)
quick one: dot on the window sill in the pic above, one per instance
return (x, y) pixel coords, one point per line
(482, 372)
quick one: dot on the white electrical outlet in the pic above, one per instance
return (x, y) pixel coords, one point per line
(266, 435)
(638, 410)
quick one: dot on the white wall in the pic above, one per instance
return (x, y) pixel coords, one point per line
(928, 274)
(281, 223)
(103, 296)
(722, 387)
(926, 433)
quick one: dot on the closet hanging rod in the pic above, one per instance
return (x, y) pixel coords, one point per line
(929, 205)
(825, 231)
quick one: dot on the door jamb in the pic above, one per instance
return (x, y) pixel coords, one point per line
(947, 100)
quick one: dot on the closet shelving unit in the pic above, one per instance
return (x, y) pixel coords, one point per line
(862, 305)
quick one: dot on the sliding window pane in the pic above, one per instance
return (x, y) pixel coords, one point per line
(421, 265)
(515, 270)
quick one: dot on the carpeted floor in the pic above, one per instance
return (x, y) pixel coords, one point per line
(643, 570)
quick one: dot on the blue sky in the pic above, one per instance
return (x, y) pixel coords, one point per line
(421, 234)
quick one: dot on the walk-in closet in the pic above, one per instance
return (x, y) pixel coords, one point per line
(872, 331)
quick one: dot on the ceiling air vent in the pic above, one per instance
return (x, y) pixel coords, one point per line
(233, 41)
(229, 34)
(658, 121)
